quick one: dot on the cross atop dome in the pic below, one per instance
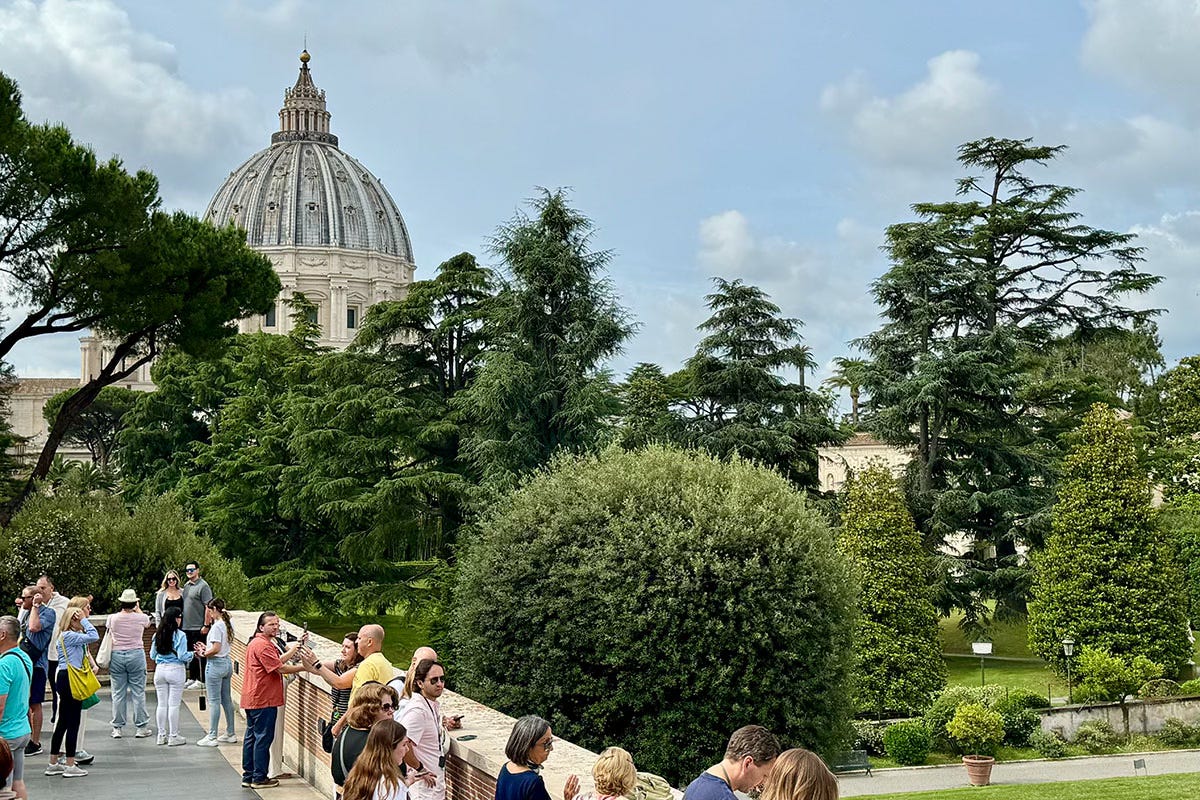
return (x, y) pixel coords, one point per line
(303, 116)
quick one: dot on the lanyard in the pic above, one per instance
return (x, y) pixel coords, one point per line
(437, 723)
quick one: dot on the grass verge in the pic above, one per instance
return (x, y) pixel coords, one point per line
(1155, 787)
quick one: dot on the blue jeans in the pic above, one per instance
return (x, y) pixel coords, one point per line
(127, 672)
(216, 687)
(256, 746)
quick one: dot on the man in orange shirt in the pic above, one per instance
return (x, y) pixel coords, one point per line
(262, 695)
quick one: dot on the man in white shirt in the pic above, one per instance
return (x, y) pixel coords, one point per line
(427, 728)
(58, 603)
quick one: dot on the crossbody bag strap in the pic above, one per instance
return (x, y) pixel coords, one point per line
(28, 672)
(342, 754)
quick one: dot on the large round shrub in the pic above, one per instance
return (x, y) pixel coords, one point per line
(976, 729)
(46, 539)
(907, 743)
(658, 600)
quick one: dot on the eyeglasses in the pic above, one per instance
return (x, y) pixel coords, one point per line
(438, 679)
(547, 745)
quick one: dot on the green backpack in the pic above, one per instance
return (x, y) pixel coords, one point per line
(651, 787)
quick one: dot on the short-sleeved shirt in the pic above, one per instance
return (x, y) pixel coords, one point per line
(382, 792)
(526, 785)
(127, 630)
(219, 632)
(58, 604)
(262, 683)
(422, 718)
(374, 667)
(195, 597)
(708, 787)
(40, 640)
(16, 671)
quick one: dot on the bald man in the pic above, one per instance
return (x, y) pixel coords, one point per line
(374, 666)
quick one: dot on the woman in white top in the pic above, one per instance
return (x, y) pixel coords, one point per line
(376, 772)
(217, 672)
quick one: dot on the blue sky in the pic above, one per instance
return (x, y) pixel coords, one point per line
(772, 141)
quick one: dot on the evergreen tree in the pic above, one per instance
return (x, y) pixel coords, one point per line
(739, 402)
(1107, 578)
(99, 425)
(552, 327)
(976, 285)
(897, 641)
(648, 415)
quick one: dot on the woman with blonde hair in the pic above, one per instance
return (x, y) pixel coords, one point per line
(376, 773)
(613, 774)
(800, 775)
(74, 632)
(169, 594)
(371, 703)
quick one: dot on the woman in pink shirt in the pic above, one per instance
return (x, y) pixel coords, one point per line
(127, 669)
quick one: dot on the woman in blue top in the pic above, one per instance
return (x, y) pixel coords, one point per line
(171, 654)
(528, 747)
(75, 634)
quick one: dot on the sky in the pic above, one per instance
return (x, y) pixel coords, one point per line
(768, 141)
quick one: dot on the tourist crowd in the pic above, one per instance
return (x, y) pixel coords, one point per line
(387, 739)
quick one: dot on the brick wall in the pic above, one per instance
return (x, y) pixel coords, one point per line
(472, 765)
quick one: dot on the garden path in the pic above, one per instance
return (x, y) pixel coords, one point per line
(921, 779)
(137, 768)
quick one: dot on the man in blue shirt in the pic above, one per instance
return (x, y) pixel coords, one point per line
(749, 759)
(37, 629)
(16, 671)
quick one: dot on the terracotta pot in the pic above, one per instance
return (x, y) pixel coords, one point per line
(979, 769)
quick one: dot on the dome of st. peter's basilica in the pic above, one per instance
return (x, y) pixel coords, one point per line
(328, 225)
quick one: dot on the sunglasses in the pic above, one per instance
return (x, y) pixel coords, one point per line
(189, 571)
(172, 578)
(438, 679)
(387, 707)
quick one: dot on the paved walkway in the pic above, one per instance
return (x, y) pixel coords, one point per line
(921, 779)
(137, 768)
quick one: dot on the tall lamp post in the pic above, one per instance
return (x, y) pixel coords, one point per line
(982, 649)
(1068, 646)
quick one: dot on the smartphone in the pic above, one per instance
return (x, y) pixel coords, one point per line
(457, 717)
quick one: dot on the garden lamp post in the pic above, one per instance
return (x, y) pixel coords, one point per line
(982, 649)
(1068, 651)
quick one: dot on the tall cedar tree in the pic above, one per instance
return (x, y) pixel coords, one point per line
(740, 403)
(975, 285)
(1107, 578)
(897, 641)
(99, 425)
(552, 327)
(648, 416)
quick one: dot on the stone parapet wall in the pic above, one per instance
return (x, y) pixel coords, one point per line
(472, 766)
(1146, 717)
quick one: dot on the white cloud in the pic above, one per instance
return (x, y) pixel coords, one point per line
(1173, 250)
(82, 63)
(1152, 45)
(918, 127)
(827, 288)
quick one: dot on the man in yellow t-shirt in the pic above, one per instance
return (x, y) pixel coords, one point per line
(373, 667)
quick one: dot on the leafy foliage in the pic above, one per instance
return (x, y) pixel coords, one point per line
(899, 651)
(1095, 736)
(1177, 733)
(736, 401)
(1047, 745)
(976, 286)
(1106, 578)
(1179, 522)
(1109, 677)
(542, 385)
(97, 426)
(610, 568)
(976, 729)
(907, 743)
(50, 540)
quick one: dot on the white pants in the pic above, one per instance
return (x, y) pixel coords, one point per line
(419, 791)
(168, 685)
(275, 767)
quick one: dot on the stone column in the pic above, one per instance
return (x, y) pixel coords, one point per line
(337, 309)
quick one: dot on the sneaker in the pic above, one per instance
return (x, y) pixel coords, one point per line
(208, 741)
(116, 734)
(192, 685)
(74, 772)
(54, 769)
(175, 741)
(227, 738)
(269, 783)
(162, 739)
(84, 757)
(246, 784)
(33, 749)
(143, 733)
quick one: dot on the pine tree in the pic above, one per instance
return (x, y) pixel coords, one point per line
(1107, 578)
(899, 649)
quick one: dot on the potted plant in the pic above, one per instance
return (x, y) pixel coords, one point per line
(978, 731)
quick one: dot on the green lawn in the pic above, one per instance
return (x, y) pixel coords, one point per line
(1034, 676)
(401, 637)
(1157, 787)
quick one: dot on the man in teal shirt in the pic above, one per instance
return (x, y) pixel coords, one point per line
(16, 671)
